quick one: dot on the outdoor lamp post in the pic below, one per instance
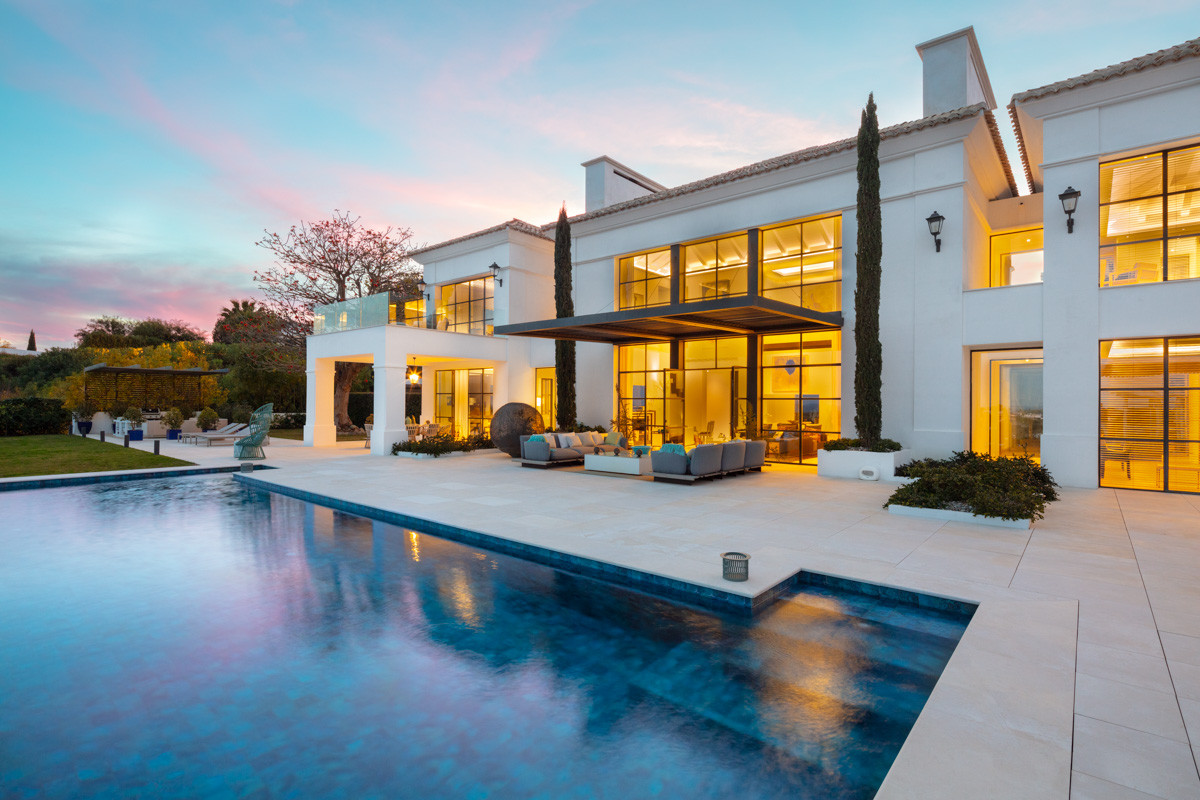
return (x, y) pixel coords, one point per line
(1070, 201)
(495, 268)
(935, 221)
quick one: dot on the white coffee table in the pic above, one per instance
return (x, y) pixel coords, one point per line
(623, 465)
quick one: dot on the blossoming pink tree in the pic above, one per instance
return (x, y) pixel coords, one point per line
(324, 262)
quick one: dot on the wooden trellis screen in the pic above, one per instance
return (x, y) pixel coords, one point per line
(120, 387)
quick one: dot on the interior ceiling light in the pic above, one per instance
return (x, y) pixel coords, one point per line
(819, 266)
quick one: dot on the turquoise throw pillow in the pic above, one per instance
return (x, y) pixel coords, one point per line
(537, 437)
(674, 448)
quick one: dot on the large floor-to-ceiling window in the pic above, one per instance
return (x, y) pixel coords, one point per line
(802, 263)
(1150, 218)
(463, 400)
(545, 394)
(467, 307)
(649, 394)
(644, 279)
(715, 268)
(715, 398)
(1006, 402)
(801, 393)
(1150, 414)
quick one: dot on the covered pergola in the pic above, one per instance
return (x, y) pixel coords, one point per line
(159, 387)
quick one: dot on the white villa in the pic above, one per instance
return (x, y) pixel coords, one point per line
(1063, 324)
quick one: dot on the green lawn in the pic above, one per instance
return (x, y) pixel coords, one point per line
(297, 434)
(54, 455)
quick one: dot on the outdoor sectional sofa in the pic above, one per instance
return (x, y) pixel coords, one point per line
(708, 461)
(564, 450)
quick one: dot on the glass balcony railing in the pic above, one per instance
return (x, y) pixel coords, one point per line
(386, 308)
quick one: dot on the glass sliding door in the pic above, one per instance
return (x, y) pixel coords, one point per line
(464, 400)
(1150, 414)
(801, 393)
(1006, 402)
(545, 393)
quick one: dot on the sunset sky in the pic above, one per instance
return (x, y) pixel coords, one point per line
(145, 146)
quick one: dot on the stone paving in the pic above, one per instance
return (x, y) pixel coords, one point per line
(1078, 677)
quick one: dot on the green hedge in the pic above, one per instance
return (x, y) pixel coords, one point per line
(442, 444)
(32, 416)
(881, 446)
(1009, 488)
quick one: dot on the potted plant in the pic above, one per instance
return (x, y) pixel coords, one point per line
(207, 419)
(133, 415)
(173, 419)
(370, 423)
(83, 417)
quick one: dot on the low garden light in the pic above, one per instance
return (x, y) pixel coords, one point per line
(934, 221)
(1070, 201)
(495, 268)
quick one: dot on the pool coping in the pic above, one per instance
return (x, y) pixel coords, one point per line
(660, 585)
(16, 484)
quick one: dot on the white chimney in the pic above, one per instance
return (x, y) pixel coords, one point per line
(954, 74)
(608, 182)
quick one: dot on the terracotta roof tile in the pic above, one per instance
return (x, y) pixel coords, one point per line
(1189, 49)
(998, 143)
(513, 224)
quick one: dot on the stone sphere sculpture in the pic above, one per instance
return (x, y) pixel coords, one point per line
(512, 421)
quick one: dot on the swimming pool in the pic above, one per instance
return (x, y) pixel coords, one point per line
(200, 638)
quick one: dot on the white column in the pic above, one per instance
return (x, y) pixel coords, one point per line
(389, 406)
(319, 429)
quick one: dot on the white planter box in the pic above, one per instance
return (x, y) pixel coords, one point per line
(452, 454)
(848, 463)
(959, 516)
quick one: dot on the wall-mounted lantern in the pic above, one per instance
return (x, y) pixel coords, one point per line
(495, 268)
(935, 221)
(1070, 201)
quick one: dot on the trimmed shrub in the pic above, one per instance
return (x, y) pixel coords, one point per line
(881, 446)
(1009, 488)
(442, 444)
(32, 416)
(287, 421)
(207, 419)
(133, 414)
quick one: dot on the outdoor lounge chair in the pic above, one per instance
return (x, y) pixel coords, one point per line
(229, 432)
(250, 446)
(194, 435)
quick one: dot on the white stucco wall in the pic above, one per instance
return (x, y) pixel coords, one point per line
(1080, 129)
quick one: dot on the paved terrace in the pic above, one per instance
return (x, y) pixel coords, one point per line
(1078, 677)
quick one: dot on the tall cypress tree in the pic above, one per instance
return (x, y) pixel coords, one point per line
(868, 363)
(32, 341)
(564, 306)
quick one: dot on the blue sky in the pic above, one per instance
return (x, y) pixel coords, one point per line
(145, 146)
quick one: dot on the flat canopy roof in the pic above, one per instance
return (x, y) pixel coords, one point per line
(139, 370)
(738, 315)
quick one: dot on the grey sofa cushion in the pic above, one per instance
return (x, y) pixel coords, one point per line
(706, 459)
(733, 456)
(668, 463)
(756, 453)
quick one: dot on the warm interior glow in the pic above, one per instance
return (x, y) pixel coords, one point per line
(802, 263)
(1006, 402)
(1016, 258)
(1150, 218)
(1150, 414)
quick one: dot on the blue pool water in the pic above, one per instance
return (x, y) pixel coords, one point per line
(200, 638)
